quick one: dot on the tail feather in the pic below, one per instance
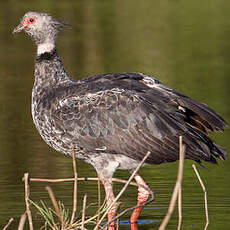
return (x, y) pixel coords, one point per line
(206, 116)
(219, 152)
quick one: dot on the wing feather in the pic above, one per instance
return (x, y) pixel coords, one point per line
(128, 115)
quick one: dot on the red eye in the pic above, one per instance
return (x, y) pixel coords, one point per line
(30, 21)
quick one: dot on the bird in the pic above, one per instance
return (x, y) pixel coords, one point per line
(112, 120)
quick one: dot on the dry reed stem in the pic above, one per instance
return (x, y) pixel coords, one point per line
(8, 224)
(56, 207)
(22, 221)
(75, 187)
(99, 198)
(27, 194)
(83, 212)
(91, 179)
(205, 196)
(176, 187)
(79, 179)
(122, 190)
(179, 208)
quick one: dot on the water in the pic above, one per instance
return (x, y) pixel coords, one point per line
(183, 43)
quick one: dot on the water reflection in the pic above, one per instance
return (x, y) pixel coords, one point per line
(183, 43)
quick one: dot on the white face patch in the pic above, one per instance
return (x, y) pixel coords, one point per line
(45, 47)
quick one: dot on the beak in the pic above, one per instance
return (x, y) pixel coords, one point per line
(18, 29)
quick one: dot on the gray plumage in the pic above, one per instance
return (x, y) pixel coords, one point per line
(112, 120)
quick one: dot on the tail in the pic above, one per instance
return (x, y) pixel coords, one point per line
(201, 147)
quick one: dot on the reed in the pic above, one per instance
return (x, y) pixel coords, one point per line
(176, 191)
(22, 221)
(60, 218)
(205, 196)
(8, 224)
(75, 186)
(27, 194)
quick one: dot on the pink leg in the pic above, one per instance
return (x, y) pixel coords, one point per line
(110, 198)
(143, 194)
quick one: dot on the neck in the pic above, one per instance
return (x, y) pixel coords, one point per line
(45, 48)
(49, 71)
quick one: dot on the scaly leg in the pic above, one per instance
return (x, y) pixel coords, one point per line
(110, 198)
(143, 194)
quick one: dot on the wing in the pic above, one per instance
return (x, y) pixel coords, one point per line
(131, 114)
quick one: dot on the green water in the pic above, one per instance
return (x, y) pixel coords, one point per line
(185, 44)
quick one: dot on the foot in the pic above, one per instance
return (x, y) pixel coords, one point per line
(110, 198)
(143, 194)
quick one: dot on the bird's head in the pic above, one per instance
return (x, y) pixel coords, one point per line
(42, 27)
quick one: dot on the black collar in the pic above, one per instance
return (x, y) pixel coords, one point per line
(46, 56)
